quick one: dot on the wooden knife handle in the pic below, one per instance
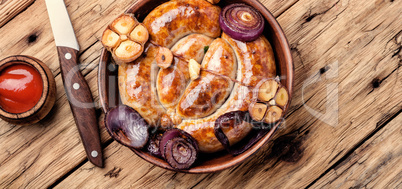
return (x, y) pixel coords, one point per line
(81, 104)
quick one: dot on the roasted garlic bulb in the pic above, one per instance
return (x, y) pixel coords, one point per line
(125, 38)
(272, 99)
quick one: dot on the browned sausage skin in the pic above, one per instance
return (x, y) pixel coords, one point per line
(207, 93)
(257, 57)
(137, 86)
(255, 62)
(172, 81)
(250, 63)
(175, 19)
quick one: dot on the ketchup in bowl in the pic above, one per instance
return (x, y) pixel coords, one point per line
(21, 88)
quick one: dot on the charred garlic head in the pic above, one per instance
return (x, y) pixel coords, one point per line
(125, 38)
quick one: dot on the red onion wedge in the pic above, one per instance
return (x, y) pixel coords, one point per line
(227, 120)
(180, 153)
(127, 126)
(241, 22)
(179, 148)
(233, 119)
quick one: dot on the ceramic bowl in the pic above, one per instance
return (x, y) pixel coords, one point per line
(47, 100)
(108, 87)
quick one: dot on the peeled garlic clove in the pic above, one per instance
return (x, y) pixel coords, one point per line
(110, 39)
(124, 24)
(194, 69)
(257, 111)
(139, 34)
(164, 58)
(268, 90)
(127, 51)
(272, 102)
(282, 97)
(273, 115)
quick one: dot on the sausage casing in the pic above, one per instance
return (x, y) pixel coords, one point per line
(172, 81)
(175, 19)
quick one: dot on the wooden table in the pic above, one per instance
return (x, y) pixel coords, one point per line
(343, 128)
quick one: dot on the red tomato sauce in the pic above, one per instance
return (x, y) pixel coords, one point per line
(21, 88)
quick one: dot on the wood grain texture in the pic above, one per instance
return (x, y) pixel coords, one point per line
(39, 155)
(10, 8)
(375, 164)
(363, 36)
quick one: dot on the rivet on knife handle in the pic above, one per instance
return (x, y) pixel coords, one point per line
(81, 104)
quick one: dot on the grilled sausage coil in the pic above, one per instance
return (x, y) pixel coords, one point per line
(230, 71)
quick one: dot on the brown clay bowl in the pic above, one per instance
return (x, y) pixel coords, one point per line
(47, 100)
(108, 87)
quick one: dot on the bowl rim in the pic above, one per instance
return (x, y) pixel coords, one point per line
(272, 22)
(38, 66)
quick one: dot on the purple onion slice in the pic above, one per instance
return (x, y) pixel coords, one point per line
(127, 126)
(168, 135)
(180, 153)
(241, 22)
(178, 148)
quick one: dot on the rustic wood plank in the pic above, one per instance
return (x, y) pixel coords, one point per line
(40, 154)
(11, 8)
(36, 155)
(364, 37)
(375, 164)
(27, 159)
(279, 6)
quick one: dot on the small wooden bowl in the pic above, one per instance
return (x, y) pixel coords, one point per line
(45, 103)
(109, 97)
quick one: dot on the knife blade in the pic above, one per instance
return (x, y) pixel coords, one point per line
(77, 89)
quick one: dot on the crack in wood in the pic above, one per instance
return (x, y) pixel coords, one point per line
(370, 30)
(397, 51)
(398, 41)
(312, 16)
(11, 18)
(21, 147)
(8, 130)
(113, 173)
(339, 153)
(290, 112)
(369, 42)
(71, 171)
(25, 168)
(287, 8)
(87, 48)
(349, 154)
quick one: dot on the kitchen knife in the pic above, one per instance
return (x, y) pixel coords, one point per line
(77, 90)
